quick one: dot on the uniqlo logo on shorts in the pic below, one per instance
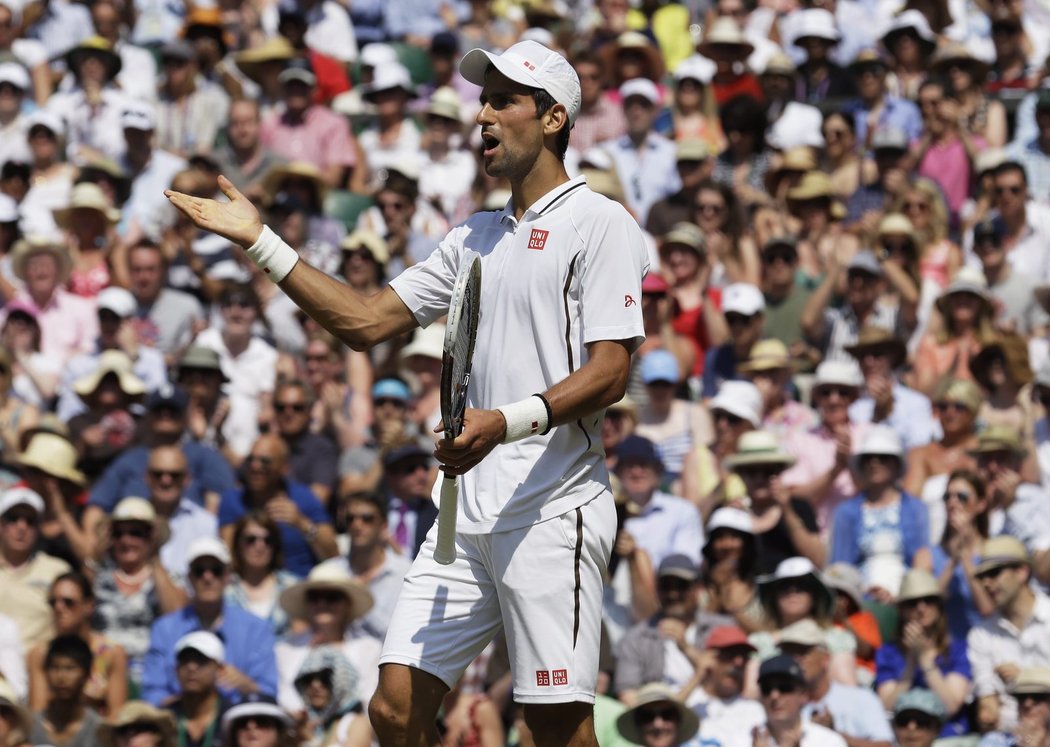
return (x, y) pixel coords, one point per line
(537, 239)
(543, 678)
(561, 676)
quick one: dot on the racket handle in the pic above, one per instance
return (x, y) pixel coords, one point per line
(445, 552)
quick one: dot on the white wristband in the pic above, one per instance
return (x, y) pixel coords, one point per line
(272, 255)
(525, 418)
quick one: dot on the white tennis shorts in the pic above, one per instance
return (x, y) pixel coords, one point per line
(542, 583)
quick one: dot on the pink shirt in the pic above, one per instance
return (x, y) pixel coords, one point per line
(323, 138)
(68, 324)
(948, 165)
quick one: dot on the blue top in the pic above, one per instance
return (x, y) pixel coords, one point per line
(890, 663)
(209, 473)
(856, 711)
(249, 645)
(912, 416)
(959, 608)
(298, 557)
(847, 530)
(719, 366)
(897, 114)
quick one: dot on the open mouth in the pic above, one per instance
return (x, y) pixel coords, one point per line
(489, 143)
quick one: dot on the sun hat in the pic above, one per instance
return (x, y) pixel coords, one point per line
(692, 149)
(445, 103)
(33, 245)
(865, 261)
(530, 64)
(659, 365)
(999, 438)
(952, 53)
(780, 64)
(872, 337)
(742, 298)
(766, 355)
(203, 642)
(894, 224)
(390, 77)
(757, 448)
(740, 398)
(868, 56)
(377, 54)
(848, 579)
(799, 158)
(724, 32)
(363, 238)
(880, 440)
(1002, 551)
(1031, 681)
(54, 455)
(695, 68)
(138, 712)
(816, 23)
(1012, 349)
(642, 87)
(274, 178)
(332, 578)
(921, 700)
(208, 22)
(657, 692)
(95, 46)
(275, 49)
(8, 698)
(20, 496)
(915, 22)
(258, 705)
(428, 342)
(838, 373)
(816, 185)
(729, 517)
(117, 363)
(967, 280)
(207, 547)
(134, 508)
(46, 119)
(918, 584)
(198, 357)
(726, 636)
(804, 632)
(633, 42)
(684, 234)
(796, 568)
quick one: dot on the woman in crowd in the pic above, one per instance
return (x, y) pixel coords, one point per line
(305, 184)
(258, 722)
(742, 166)
(910, 43)
(728, 245)
(983, 116)
(898, 251)
(695, 114)
(841, 161)
(48, 467)
(89, 220)
(259, 577)
(108, 426)
(327, 684)
(849, 615)
(816, 216)
(16, 415)
(925, 654)
(730, 568)
(923, 204)
(35, 376)
(1003, 372)
(138, 724)
(72, 603)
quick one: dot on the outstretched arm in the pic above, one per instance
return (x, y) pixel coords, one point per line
(357, 320)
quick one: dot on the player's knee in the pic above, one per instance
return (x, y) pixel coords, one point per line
(387, 716)
(405, 703)
(561, 724)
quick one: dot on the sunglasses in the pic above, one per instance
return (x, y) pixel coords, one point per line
(363, 518)
(834, 133)
(672, 583)
(1012, 190)
(920, 720)
(884, 458)
(328, 596)
(132, 730)
(383, 401)
(260, 722)
(994, 573)
(392, 204)
(290, 407)
(953, 406)
(137, 532)
(265, 461)
(408, 469)
(160, 474)
(734, 318)
(784, 687)
(66, 602)
(916, 205)
(648, 715)
(843, 392)
(771, 258)
(254, 539)
(930, 601)
(215, 569)
(899, 245)
(28, 519)
(960, 495)
(760, 471)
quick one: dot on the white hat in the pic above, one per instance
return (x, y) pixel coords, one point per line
(911, 19)
(881, 439)
(257, 704)
(15, 74)
(740, 398)
(133, 508)
(377, 55)
(428, 342)
(8, 210)
(818, 23)
(597, 157)
(841, 373)
(44, 118)
(293, 600)
(139, 116)
(118, 300)
(695, 68)
(20, 496)
(728, 517)
(208, 547)
(742, 298)
(530, 64)
(641, 87)
(389, 77)
(204, 642)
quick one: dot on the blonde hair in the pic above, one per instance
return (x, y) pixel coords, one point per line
(938, 228)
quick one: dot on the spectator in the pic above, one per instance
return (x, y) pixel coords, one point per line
(792, 124)
(447, 169)
(1001, 368)
(743, 165)
(769, 367)
(1026, 223)
(50, 177)
(850, 614)
(14, 83)
(1032, 691)
(165, 318)
(313, 457)
(138, 69)
(108, 427)
(599, 119)
(724, 713)
(1035, 153)
(35, 373)
(48, 468)
(190, 108)
(672, 424)
(244, 160)
(65, 720)
(200, 373)
(983, 117)
(404, 221)
(841, 160)
(15, 721)
(87, 222)
(360, 467)
(199, 706)
(250, 666)
(695, 163)
(327, 684)
(657, 719)
(1012, 292)
(784, 696)
(864, 208)
(947, 150)
(910, 42)
(135, 721)
(820, 80)
(725, 44)
(259, 577)
(744, 308)
(917, 718)
(407, 476)
(393, 139)
(730, 566)
(785, 297)
(875, 107)
(258, 722)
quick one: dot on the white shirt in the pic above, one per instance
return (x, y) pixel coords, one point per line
(94, 127)
(446, 181)
(12, 657)
(667, 525)
(403, 152)
(568, 274)
(1031, 254)
(13, 144)
(729, 722)
(147, 204)
(648, 174)
(331, 32)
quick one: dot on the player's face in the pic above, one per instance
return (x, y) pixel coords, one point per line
(511, 134)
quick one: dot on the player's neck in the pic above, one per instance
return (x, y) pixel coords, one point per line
(548, 173)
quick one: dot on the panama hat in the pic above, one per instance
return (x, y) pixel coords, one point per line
(874, 337)
(724, 32)
(816, 185)
(8, 698)
(33, 245)
(293, 599)
(953, 53)
(838, 373)
(795, 569)
(365, 239)
(898, 224)
(739, 398)
(914, 22)
(755, 448)
(54, 455)
(1031, 681)
(918, 584)
(960, 391)
(138, 712)
(999, 438)
(766, 355)
(846, 578)
(880, 440)
(657, 692)
(816, 23)
(114, 362)
(445, 103)
(637, 43)
(271, 183)
(1002, 551)
(967, 280)
(95, 46)
(275, 49)
(86, 196)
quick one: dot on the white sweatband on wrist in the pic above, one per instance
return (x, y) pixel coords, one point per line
(525, 418)
(272, 255)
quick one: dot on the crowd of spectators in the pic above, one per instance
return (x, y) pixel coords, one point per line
(832, 467)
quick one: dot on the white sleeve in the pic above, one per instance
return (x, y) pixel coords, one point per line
(613, 263)
(978, 648)
(426, 288)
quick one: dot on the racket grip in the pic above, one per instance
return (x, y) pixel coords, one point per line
(445, 552)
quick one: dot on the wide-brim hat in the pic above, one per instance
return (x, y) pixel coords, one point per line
(271, 183)
(293, 599)
(86, 196)
(816, 185)
(915, 22)
(201, 358)
(960, 391)
(362, 238)
(757, 448)
(208, 21)
(1031, 681)
(390, 77)
(898, 224)
(1002, 551)
(114, 362)
(1014, 351)
(918, 584)
(8, 697)
(445, 103)
(97, 46)
(138, 712)
(54, 455)
(724, 32)
(33, 245)
(657, 692)
(796, 569)
(997, 438)
(633, 41)
(966, 280)
(873, 336)
(955, 52)
(257, 704)
(817, 23)
(767, 355)
(274, 49)
(847, 579)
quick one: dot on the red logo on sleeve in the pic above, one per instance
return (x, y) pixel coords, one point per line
(628, 301)
(543, 678)
(561, 676)
(537, 239)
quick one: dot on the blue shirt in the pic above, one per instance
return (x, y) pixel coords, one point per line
(648, 174)
(959, 607)
(667, 525)
(249, 645)
(912, 416)
(848, 529)
(890, 663)
(209, 473)
(857, 712)
(298, 557)
(897, 114)
(719, 366)
(421, 17)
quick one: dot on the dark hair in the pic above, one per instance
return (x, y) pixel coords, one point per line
(240, 292)
(400, 184)
(745, 114)
(15, 170)
(1007, 166)
(149, 245)
(272, 531)
(544, 101)
(301, 385)
(735, 222)
(978, 485)
(79, 580)
(70, 647)
(851, 123)
(373, 498)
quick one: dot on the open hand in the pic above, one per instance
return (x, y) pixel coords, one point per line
(236, 220)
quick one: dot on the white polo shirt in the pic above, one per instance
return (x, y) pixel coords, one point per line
(566, 275)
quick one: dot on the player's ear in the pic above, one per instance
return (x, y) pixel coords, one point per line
(555, 119)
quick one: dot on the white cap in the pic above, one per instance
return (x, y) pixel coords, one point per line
(15, 74)
(740, 398)
(44, 118)
(118, 300)
(377, 55)
(139, 116)
(598, 157)
(881, 439)
(695, 68)
(8, 209)
(208, 547)
(530, 64)
(20, 496)
(388, 77)
(816, 22)
(742, 298)
(641, 87)
(202, 641)
(728, 517)
(840, 373)
(133, 508)
(912, 19)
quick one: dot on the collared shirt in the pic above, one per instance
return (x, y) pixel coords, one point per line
(188, 522)
(1030, 254)
(249, 647)
(911, 418)
(996, 641)
(667, 525)
(604, 122)
(1036, 165)
(1027, 518)
(149, 366)
(856, 712)
(897, 114)
(323, 138)
(648, 174)
(87, 126)
(63, 26)
(68, 324)
(728, 723)
(385, 586)
(191, 124)
(147, 206)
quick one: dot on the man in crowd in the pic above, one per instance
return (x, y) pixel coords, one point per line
(745, 311)
(784, 696)
(199, 706)
(165, 319)
(725, 714)
(313, 457)
(408, 478)
(918, 717)
(244, 160)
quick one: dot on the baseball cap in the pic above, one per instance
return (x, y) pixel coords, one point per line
(742, 298)
(922, 700)
(640, 87)
(889, 138)
(203, 642)
(48, 120)
(679, 566)
(990, 228)
(374, 55)
(20, 496)
(118, 300)
(138, 116)
(659, 365)
(782, 664)
(299, 70)
(208, 547)
(134, 508)
(168, 395)
(14, 74)
(726, 636)
(654, 283)
(864, 261)
(638, 449)
(531, 64)
(391, 389)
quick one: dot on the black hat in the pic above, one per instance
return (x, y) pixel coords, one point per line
(444, 43)
(639, 449)
(781, 665)
(405, 451)
(168, 396)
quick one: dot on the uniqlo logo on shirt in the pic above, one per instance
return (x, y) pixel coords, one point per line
(561, 676)
(537, 239)
(543, 678)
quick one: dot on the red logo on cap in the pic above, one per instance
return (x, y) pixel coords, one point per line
(543, 678)
(537, 239)
(529, 65)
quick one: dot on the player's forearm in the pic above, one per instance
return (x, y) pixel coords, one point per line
(599, 383)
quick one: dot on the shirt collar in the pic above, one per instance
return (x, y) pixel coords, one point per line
(546, 200)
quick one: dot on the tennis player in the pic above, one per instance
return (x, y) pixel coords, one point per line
(560, 316)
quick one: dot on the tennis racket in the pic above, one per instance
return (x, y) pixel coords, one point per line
(461, 329)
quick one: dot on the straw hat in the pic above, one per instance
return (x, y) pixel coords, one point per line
(961, 391)
(766, 355)
(755, 448)
(795, 569)
(98, 46)
(918, 584)
(1031, 681)
(838, 373)
(54, 455)
(1013, 348)
(328, 577)
(880, 440)
(848, 579)
(657, 692)
(114, 362)
(390, 77)
(445, 103)
(271, 183)
(138, 712)
(274, 49)
(953, 53)
(1002, 551)
(997, 438)
(816, 185)
(23, 719)
(33, 245)
(365, 239)
(898, 224)
(86, 196)
(871, 337)
(636, 42)
(966, 280)
(725, 32)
